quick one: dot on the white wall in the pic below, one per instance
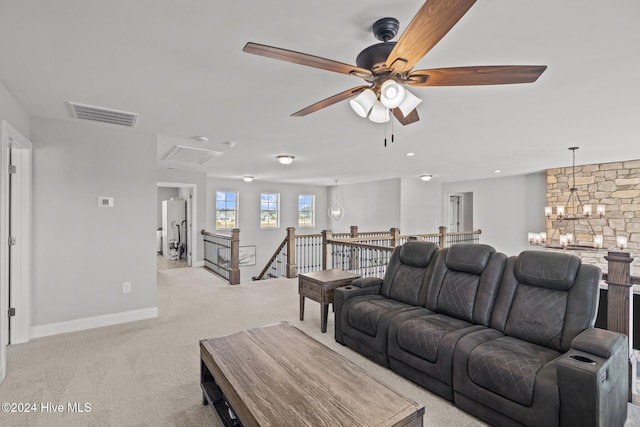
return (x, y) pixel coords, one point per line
(13, 112)
(265, 240)
(420, 206)
(505, 209)
(372, 206)
(82, 253)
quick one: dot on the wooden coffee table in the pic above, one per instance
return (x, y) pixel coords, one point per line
(319, 286)
(279, 376)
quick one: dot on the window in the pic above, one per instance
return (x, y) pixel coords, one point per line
(269, 210)
(226, 209)
(306, 210)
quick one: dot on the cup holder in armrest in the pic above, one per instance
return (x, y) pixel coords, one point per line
(347, 287)
(582, 359)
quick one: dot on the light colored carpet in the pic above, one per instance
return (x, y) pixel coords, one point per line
(165, 264)
(147, 373)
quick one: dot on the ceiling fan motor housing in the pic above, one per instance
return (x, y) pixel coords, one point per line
(374, 57)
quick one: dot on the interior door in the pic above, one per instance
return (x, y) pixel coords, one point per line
(454, 213)
(15, 240)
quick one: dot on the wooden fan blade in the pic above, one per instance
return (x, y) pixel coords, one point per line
(330, 101)
(434, 19)
(305, 59)
(471, 76)
(408, 119)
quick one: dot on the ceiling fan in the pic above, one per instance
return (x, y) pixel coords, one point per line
(387, 66)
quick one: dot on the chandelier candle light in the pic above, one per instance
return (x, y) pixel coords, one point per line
(563, 218)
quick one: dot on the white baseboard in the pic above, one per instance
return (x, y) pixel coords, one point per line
(197, 263)
(93, 322)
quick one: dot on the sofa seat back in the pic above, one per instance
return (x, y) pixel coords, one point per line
(465, 282)
(408, 272)
(547, 298)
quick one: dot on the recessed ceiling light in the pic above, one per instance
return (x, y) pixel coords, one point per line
(285, 159)
(497, 171)
(247, 178)
(202, 138)
(409, 154)
(426, 177)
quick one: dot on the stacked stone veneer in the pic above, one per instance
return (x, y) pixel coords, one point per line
(615, 185)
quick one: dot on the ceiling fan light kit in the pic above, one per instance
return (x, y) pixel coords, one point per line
(362, 103)
(379, 113)
(409, 103)
(388, 66)
(391, 94)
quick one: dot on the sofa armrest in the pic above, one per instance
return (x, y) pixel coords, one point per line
(593, 379)
(599, 342)
(341, 295)
(366, 282)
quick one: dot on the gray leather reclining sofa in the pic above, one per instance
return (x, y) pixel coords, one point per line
(509, 340)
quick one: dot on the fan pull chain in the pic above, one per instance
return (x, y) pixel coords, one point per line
(391, 130)
(385, 134)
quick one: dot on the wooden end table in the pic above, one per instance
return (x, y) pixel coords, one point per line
(319, 286)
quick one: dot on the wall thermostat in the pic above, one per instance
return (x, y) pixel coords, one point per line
(105, 202)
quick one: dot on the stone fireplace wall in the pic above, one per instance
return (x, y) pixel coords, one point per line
(615, 185)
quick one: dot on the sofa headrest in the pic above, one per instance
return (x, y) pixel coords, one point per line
(417, 253)
(551, 270)
(468, 257)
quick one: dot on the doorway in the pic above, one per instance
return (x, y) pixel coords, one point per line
(175, 233)
(460, 212)
(15, 239)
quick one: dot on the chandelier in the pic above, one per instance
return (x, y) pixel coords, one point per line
(336, 212)
(569, 231)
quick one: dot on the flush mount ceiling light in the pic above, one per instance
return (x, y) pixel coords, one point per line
(285, 159)
(201, 138)
(426, 177)
(247, 178)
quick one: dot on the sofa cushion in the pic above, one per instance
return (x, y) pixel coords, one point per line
(550, 270)
(365, 314)
(421, 335)
(508, 367)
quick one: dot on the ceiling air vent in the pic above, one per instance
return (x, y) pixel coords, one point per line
(103, 115)
(182, 153)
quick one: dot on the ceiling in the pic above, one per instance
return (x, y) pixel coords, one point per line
(180, 66)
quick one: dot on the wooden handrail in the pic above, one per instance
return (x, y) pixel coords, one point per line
(345, 242)
(208, 233)
(273, 257)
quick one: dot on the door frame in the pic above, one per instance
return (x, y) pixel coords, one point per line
(192, 249)
(21, 152)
